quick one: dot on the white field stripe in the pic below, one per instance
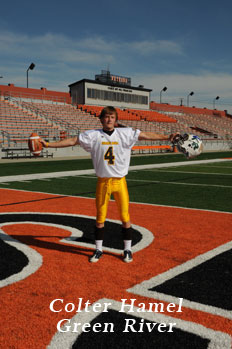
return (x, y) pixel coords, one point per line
(179, 183)
(212, 166)
(44, 175)
(44, 180)
(24, 181)
(176, 164)
(144, 287)
(195, 172)
(152, 181)
(146, 240)
(132, 202)
(87, 176)
(34, 258)
(66, 339)
(92, 171)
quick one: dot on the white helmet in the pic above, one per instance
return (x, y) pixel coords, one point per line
(190, 145)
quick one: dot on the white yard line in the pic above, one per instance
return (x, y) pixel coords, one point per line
(24, 177)
(44, 175)
(177, 164)
(158, 170)
(179, 183)
(209, 166)
(24, 181)
(132, 202)
(44, 180)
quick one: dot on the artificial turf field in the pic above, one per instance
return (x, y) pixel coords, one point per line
(182, 223)
(206, 186)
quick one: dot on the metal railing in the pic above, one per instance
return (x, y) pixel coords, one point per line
(19, 140)
(49, 118)
(22, 96)
(41, 113)
(5, 138)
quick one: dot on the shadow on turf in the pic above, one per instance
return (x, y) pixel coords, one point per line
(36, 242)
(45, 199)
(92, 192)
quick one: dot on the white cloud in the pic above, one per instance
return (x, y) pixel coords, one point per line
(89, 50)
(206, 87)
(58, 57)
(204, 84)
(61, 60)
(158, 46)
(100, 44)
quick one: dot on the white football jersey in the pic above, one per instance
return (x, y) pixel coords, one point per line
(110, 153)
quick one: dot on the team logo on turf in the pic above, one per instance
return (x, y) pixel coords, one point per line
(51, 252)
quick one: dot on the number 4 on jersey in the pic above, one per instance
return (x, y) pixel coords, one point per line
(109, 156)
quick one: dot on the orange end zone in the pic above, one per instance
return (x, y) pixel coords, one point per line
(180, 235)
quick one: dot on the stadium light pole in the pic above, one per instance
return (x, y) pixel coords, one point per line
(190, 94)
(31, 67)
(214, 101)
(163, 89)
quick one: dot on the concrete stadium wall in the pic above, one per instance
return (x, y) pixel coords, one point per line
(217, 145)
(32, 93)
(76, 151)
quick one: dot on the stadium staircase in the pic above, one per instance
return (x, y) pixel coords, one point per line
(204, 122)
(145, 120)
(16, 125)
(66, 116)
(52, 121)
(211, 125)
(56, 120)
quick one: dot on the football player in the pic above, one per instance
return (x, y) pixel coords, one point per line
(110, 149)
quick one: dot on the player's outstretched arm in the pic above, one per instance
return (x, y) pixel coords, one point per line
(67, 142)
(151, 136)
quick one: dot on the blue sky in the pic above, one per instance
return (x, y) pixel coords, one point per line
(184, 45)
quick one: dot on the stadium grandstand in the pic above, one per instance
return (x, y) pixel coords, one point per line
(54, 115)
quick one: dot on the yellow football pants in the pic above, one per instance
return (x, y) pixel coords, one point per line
(117, 187)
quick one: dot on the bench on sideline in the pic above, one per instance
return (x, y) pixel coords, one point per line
(151, 148)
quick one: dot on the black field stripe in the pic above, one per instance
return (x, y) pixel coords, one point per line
(113, 235)
(178, 339)
(209, 283)
(12, 261)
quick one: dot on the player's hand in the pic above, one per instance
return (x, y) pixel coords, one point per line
(43, 142)
(175, 137)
